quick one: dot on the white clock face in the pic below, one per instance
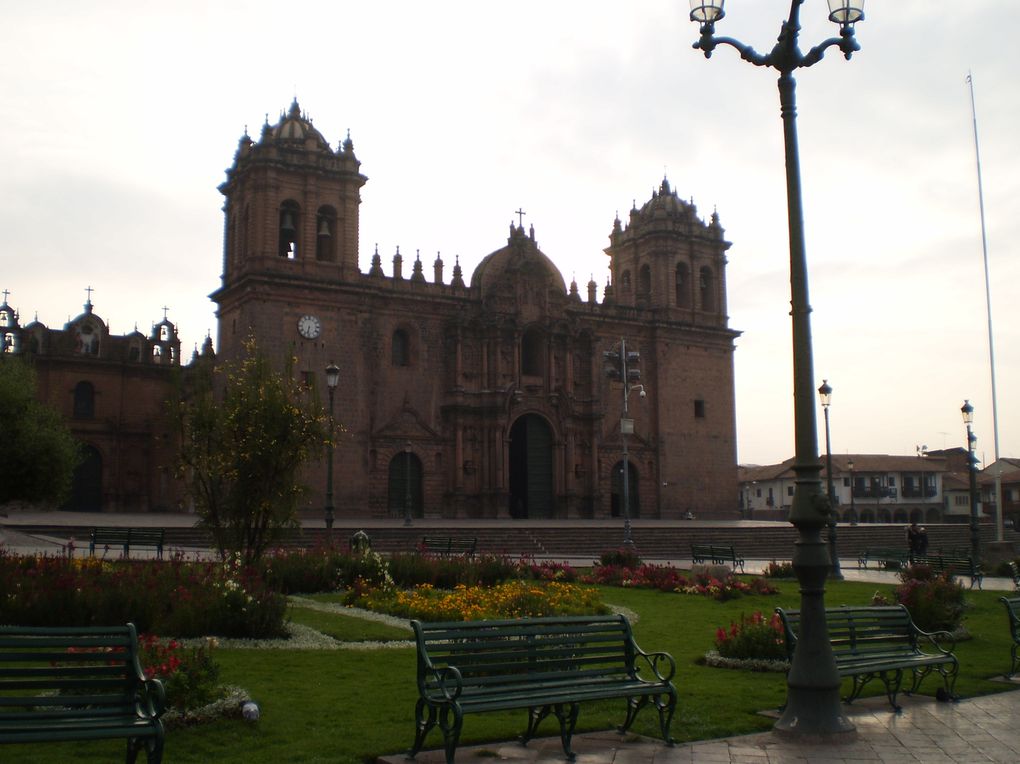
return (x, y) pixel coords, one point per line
(309, 327)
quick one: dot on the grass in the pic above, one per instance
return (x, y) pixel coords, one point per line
(346, 628)
(347, 707)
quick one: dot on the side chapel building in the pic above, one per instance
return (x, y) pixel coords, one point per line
(484, 398)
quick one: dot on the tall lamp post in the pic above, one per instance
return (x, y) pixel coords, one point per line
(623, 365)
(407, 483)
(825, 394)
(812, 705)
(975, 531)
(332, 379)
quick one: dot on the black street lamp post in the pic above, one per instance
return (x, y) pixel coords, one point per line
(812, 708)
(825, 393)
(975, 530)
(332, 379)
(853, 509)
(623, 365)
(407, 483)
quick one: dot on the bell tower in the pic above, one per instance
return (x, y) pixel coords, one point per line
(291, 205)
(668, 260)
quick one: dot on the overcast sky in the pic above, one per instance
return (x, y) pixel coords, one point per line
(119, 118)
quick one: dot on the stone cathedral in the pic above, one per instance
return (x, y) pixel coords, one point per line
(485, 396)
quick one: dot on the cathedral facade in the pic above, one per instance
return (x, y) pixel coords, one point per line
(485, 397)
(111, 391)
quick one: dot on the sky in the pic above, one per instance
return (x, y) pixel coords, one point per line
(118, 119)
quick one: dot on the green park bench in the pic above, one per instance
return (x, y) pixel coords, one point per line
(543, 665)
(887, 557)
(718, 554)
(955, 564)
(881, 642)
(127, 538)
(448, 546)
(60, 684)
(1013, 613)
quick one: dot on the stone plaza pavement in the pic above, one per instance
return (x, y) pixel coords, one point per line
(985, 729)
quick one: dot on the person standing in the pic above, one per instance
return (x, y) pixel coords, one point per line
(913, 539)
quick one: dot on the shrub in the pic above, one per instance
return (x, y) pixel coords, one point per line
(446, 572)
(189, 675)
(780, 570)
(666, 578)
(753, 638)
(934, 600)
(624, 557)
(551, 571)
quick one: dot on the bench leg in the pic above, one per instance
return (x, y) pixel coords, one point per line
(948, 681)
(423, 724)
(567, 716)
(153, 749)
(451, 729)
(1012, 661)
(535, 716)
(892, 686)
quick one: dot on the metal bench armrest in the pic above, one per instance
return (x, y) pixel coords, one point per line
(449, 681)
(152, 698)
(656, 660)
(938, 640)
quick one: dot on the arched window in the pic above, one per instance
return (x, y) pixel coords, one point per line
(644, 289)
(84, 400)
(625, 281)
(532, 352)
(401, 348)
(706, 285)
(325, 235)
(290, 219)
(683, 287)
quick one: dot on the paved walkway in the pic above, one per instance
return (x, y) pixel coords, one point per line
(979, 730)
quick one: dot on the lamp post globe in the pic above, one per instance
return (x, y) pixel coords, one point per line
(813, 708)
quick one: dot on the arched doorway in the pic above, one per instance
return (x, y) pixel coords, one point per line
(531, 468)
(87, 483)
(404, 495)
(616, 499)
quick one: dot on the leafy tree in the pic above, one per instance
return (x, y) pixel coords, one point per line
(245, 431)
(40, 453)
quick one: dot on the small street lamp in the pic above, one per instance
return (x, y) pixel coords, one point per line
(332, 379)
(975, 531)
(853, 510)
(813, 707)
(825, 394)
(407, 483)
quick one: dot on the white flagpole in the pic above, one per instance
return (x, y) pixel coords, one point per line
(988, 304)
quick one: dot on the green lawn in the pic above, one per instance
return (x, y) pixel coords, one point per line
(349, 706)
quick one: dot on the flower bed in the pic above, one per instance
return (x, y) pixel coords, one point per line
(666, 578)
(513, 599)
(178, 597)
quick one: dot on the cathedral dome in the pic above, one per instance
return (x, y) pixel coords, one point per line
(294, 126)
(520, 256)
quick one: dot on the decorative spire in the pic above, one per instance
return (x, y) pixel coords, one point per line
(376, 269)
(417, 275)
(458, 274)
